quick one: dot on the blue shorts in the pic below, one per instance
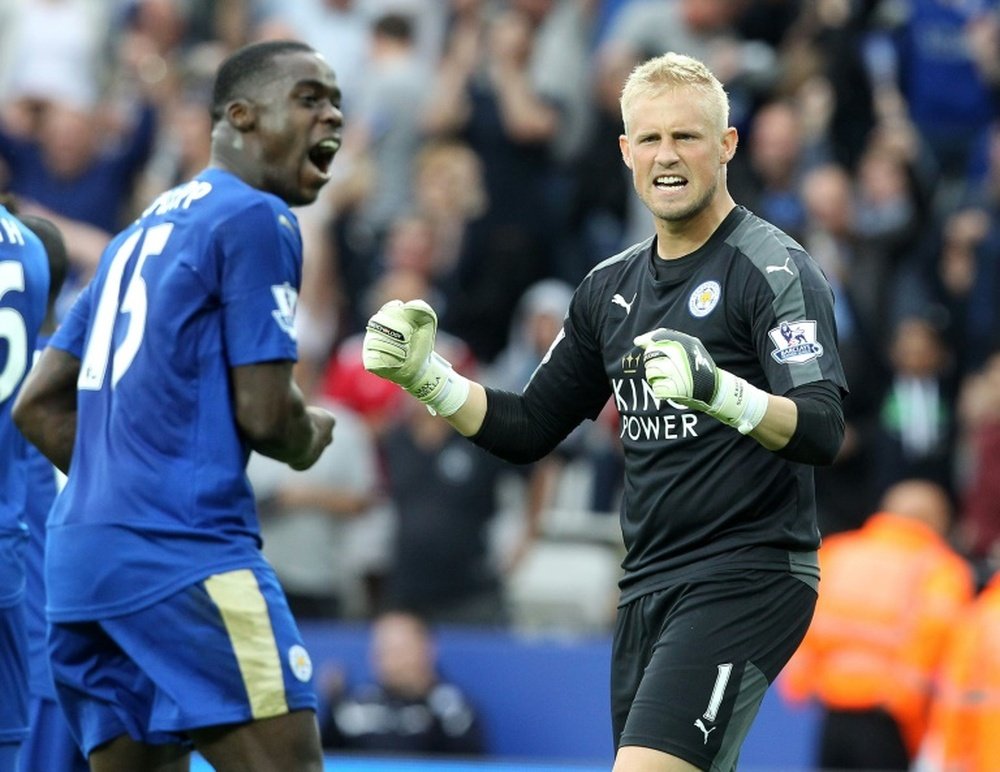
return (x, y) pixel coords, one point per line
(49, 744)
(13, 675)
(223, 651)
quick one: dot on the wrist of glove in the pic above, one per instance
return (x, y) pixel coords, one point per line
(737, 402)
(439, 387)
(679, 368)
(399, 346)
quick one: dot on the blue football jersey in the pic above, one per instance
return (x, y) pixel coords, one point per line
(157, 497)
(44, 481)
(24, 289)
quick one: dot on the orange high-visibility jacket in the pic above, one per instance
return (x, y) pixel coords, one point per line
(889, 594)
(964, 731)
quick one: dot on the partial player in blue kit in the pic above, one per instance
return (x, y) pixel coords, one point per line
(49, 744)
(24, 286)
(168, 629)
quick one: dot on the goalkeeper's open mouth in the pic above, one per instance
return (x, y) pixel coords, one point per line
(669, 182)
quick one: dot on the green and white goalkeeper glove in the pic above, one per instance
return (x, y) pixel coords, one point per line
(399, 346)
(679, 368)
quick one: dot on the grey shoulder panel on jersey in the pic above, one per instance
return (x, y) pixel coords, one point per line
(625, 254)
(771, 251)
(784, 264)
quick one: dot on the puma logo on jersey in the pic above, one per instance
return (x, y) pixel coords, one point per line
(619, 300)
(704, 729)
(285, 298)
(282, 220)
(776, 268)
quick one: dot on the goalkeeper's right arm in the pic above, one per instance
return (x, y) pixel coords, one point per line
(399, 346)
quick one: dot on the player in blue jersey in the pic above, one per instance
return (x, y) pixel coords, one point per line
(49, 744)
(722, 417)
(24, 287)
(168, 629)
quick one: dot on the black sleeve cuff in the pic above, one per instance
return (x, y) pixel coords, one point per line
(820, 428)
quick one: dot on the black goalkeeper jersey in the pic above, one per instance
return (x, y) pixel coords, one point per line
(700, 497)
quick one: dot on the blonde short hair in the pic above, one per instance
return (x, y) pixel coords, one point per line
(672, 70)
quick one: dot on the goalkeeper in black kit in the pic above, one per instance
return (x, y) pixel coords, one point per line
(716, 341)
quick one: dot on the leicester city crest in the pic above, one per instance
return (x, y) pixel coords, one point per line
(704, 298)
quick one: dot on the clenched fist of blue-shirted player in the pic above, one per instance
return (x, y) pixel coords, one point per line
(679, 368)
(399, 346)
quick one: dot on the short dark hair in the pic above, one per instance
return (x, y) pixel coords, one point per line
(246, 65)
(55, 247)
(9, 202)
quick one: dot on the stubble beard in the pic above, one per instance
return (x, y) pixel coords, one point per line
(696, 207)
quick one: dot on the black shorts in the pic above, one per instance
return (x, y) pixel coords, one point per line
(691, 663)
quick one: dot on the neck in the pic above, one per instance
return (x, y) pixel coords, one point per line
(678, 238)
(229, 153)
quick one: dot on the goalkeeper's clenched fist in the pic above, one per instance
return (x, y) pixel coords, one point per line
(679, 368)
(399, 346)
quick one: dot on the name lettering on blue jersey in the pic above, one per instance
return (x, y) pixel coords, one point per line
(10, 232)
(285, 297)
(180, 197)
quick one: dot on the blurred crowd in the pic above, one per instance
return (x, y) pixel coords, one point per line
(481, 171)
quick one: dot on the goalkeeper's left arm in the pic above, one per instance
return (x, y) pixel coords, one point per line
(679, 368)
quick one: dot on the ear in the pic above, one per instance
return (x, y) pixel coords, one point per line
(730, 139)
(626, 150)
(242, 115)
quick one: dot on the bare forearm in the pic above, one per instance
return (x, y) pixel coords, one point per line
(778, 424)
(449, 105)
(86, 242)
(448, 108)
(273, 417)
(526, 117)
(45, 410)
(468, 419)
(284, 440)
(294, 438)
(53, 434)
